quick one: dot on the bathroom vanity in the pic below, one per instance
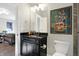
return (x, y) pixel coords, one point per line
(33, 45)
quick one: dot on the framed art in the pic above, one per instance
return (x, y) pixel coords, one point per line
(9, 26)
(61, 20)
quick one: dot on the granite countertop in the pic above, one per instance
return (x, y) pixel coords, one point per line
(34, 36)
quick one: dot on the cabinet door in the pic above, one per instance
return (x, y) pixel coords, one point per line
(30, 49)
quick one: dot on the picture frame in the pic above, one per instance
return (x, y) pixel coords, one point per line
(10, 25)
(61, 20)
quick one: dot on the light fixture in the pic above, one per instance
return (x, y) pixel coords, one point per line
(36, 8)
(39, 7)
(42, 6)
(33, 9)
(4, 11)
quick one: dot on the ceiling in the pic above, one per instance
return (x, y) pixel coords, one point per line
(42, 13)
(11, 7)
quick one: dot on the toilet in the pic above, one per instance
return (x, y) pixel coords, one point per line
(61, 48)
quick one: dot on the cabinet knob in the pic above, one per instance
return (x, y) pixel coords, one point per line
(44, 46)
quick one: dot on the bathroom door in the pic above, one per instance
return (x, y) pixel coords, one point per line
(78, 26)
(75, 41)
(76, 30)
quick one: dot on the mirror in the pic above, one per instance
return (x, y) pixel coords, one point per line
(39, 18)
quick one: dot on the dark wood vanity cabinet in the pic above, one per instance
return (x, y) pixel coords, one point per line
(33, 45)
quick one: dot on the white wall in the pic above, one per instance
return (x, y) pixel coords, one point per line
(11, 9)
(23, 22)
(33, 21)
(60, 37)
(3, 25)
(23, 18)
